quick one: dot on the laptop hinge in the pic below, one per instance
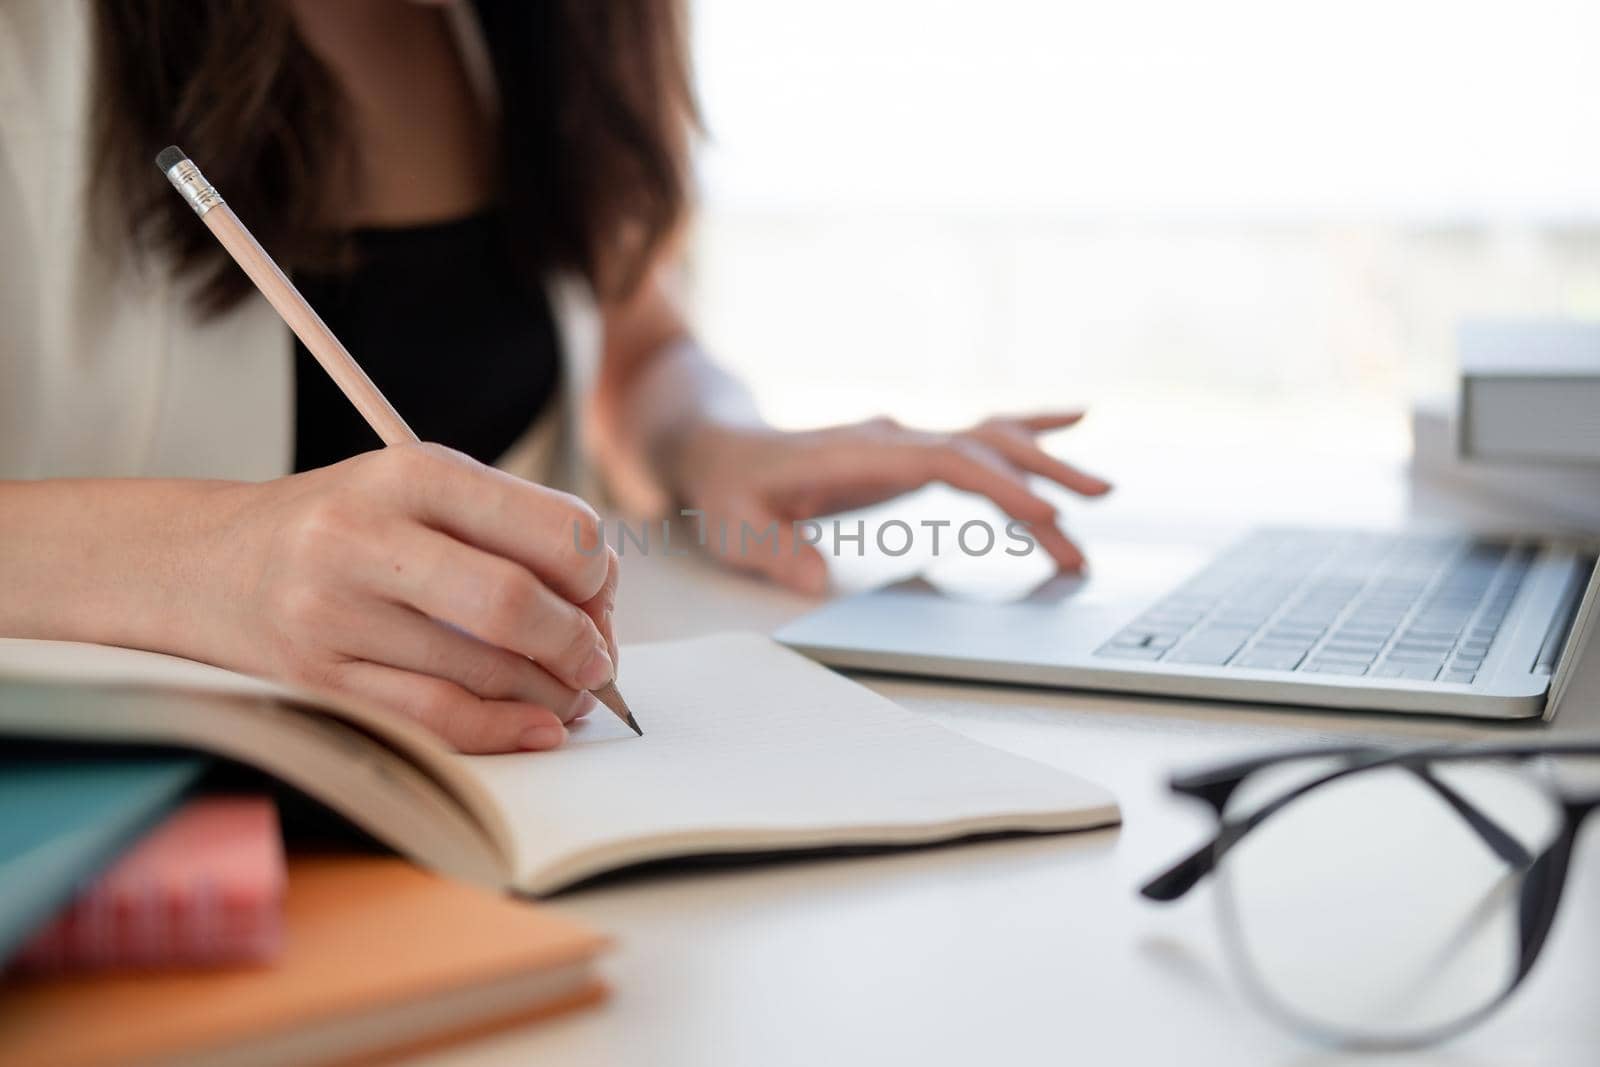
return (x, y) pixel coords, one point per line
(1564, 642)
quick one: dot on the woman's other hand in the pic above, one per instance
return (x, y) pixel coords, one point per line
(421, 580)
(762, 476)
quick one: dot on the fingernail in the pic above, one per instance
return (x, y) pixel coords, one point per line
(537, 738)
(597, 670)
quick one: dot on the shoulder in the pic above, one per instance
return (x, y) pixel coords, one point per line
(45, 48)
(45, 73)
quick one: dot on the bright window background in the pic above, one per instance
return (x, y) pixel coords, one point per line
(1242, 219)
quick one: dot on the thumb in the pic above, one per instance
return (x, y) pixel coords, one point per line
(599, 606)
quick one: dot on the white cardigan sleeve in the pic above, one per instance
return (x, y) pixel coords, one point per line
(104, 368)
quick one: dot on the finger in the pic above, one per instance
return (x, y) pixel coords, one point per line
(1068, 556)
(553, 534)
(402, 638)
(969, 465)
(600, 606)
(1018, 449)
(465, 722)
(491, 598)
(1044, 422)
(767, 545)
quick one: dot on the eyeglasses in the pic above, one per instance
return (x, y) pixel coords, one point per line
(1387, 899)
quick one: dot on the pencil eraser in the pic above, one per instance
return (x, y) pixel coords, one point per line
(170, 157)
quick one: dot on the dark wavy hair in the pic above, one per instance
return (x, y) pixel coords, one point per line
(597, 113)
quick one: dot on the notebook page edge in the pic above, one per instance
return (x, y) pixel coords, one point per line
(1048, 800)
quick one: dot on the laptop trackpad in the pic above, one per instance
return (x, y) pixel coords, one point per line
(1118, 576)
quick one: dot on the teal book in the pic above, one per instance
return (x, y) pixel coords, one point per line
(64, 817)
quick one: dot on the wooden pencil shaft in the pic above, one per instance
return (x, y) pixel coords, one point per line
(307, 325)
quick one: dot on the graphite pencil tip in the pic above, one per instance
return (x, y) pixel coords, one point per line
(609, 695)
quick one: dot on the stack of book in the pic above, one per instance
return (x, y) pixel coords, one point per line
(200, 944)
(1530, 392)
(144, 923)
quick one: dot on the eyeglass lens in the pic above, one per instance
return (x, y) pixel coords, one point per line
(1371, 907)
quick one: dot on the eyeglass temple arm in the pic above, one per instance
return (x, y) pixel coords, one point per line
(1500, 842)
(1215, 789)
(1184, 875)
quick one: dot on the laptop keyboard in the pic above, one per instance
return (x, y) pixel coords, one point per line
(1387, 606)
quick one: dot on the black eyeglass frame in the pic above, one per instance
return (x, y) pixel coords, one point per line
(1544, 875)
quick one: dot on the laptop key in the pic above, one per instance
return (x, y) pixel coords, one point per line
(1433, 663)
(1209, 655)
(1223, 629)
(1308, 620)
(1324, 656)
(1412, 637)
(1335, 666)
(1459, 677)
(1422, 633)
(1269, 659)
(1283, 648)
(1128, 652)
(1423, 649)
(1368, 631)
(1365, 650)
(1296, 633)
(1416, 672)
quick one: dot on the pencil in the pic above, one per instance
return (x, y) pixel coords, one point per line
(307, 325)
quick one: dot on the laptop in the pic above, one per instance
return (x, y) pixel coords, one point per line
(1448, 624)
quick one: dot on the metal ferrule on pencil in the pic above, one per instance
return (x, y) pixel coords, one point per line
(187, 179)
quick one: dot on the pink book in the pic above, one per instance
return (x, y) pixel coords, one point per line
(203, 889)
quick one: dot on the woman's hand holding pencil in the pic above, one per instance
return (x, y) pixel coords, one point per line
(421, 580)
(414, 577)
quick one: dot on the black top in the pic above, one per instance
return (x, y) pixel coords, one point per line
(443, 322)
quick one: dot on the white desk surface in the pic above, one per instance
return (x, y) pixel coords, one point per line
(1024, 951)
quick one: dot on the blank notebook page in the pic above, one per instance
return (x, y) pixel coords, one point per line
(749, 746)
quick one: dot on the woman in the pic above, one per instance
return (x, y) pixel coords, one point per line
(186, 480)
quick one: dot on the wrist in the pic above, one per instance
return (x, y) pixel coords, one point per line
(680, 449)
(698, 451)
(204, 572)
(140, 564)
(675, 416)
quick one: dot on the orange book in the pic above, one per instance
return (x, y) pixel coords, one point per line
(379, 956)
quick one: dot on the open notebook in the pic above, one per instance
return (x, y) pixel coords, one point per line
(748, 747)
